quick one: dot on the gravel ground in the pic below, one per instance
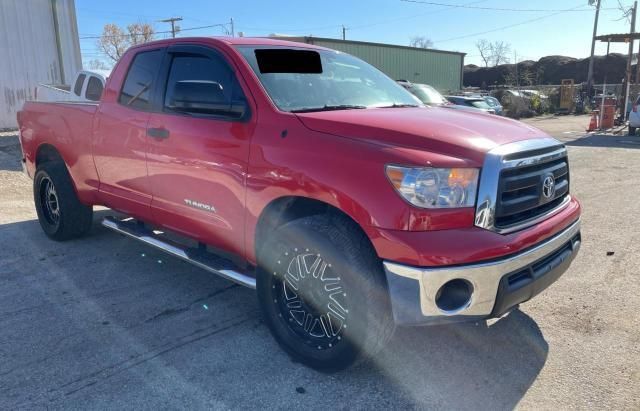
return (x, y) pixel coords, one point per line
(105, 322)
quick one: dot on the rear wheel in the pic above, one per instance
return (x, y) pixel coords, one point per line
(61, 215)
(323, 292)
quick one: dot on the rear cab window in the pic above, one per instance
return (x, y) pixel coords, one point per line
(136, 90)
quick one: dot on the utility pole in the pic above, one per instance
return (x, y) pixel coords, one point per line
(593, 47)
(515, 60)
(344, 32)
(172, 20)
(233, 33)
(628, 85)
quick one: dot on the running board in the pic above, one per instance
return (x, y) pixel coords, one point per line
(203, 259)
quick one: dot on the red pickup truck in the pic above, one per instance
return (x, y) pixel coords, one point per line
(311, 176)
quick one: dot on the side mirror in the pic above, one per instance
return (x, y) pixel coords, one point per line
(204, 97)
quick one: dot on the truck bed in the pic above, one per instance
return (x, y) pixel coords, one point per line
(67, 126)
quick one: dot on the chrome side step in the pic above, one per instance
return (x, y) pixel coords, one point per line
(205, 260)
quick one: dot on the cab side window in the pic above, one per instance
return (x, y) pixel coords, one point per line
(136, 90)
(94, 89)
(77, 88)
(201, 84)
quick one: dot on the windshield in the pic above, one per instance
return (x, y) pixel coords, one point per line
(342, 82)
(493, 102)
(427, 94)
(480, 104)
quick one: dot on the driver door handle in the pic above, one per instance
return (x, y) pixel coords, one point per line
(158, 133)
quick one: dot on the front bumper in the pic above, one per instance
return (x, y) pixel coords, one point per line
(495, 286)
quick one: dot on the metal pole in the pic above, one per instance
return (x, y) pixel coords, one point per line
(593, 48)
(233, 32)
(628, 86)
(344, 32)
(604, 87)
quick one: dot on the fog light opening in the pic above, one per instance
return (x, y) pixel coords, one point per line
(454, 296)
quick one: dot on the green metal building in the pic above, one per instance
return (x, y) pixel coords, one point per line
(438, 68)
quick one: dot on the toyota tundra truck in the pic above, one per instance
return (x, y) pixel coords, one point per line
(312, 177)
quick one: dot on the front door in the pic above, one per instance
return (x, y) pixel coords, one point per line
(198, 148)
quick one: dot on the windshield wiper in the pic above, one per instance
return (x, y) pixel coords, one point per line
(328, 107)
(394, 105)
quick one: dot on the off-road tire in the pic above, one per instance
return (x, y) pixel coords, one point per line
(348, 257)
(61, 215)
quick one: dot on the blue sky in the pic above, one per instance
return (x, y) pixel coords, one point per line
(385, 21)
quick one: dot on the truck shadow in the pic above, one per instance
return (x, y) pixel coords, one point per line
(603, 141)
(104, 312)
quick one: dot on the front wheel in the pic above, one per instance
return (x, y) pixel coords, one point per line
(632, 131)
(323, 292)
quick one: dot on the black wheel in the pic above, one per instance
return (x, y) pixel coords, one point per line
(632, 131)
(62, 216)
(323, 292)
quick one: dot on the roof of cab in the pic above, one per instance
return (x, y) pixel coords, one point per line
(237, 41)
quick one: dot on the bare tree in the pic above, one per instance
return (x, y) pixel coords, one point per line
(526, 77)
(421, 42)
(493, 53)
(484, 48)
(96, 64)
(140, 33)
(500, 52)
(114, 41)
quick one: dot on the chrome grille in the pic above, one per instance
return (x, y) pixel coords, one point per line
(520, 194)
(511, 194)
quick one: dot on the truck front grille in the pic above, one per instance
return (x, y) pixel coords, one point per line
(522, 184)
(520, 191)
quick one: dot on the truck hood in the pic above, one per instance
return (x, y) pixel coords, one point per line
(455, 133)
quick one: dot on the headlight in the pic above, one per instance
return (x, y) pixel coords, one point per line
(427, 187)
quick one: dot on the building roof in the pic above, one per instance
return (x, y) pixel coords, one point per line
(311, 39)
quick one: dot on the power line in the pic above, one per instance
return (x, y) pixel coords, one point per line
(467, 6)
(429, 13)
(503, 27)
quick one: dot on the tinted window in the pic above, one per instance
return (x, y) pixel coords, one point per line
(137, 85)
(94, 89)
(77, 88)
(201, 84)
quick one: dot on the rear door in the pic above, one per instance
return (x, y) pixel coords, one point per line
(198, 147)
(120, 137)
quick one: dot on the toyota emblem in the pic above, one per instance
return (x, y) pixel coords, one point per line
(548, 187)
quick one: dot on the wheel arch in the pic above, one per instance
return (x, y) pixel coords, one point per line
(289, 208)
(47, 153)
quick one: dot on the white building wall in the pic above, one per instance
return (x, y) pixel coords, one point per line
(29, 51)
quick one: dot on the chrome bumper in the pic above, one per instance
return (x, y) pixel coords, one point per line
(414, 290)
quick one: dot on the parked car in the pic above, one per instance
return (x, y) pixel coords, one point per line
(494, 103)
(312, 177)
(432, 97)
(477, 103)
(87, 86)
